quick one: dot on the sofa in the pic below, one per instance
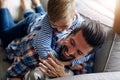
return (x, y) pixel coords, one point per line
(107, 65)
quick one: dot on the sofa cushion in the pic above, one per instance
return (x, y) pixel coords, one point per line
(113, 62)
(97, 76)
(102, 54)
(3, 64)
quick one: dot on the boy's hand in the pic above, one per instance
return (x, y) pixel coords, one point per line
(76, 67)
(66, 63)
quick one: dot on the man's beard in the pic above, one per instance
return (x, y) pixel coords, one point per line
(63, 50)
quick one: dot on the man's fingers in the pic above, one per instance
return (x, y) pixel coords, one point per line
(44, 71)
(54, 59)
(52, 62)
(48, 72)
(47, 65)
(43, 66)
(52, 67)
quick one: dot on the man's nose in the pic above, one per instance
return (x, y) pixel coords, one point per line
(71, 50)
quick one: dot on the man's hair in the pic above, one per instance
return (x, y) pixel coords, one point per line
(92, 31)
(60, 9)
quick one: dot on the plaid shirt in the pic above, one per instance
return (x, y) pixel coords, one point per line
(23, 55)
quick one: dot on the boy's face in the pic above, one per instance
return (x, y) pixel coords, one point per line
(62, 24)
(75, 47)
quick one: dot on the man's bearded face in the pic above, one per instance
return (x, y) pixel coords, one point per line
(64, 54)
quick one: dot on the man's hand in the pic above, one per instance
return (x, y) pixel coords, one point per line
(52, 67)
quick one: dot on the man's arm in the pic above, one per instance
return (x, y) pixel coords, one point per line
(19, 69)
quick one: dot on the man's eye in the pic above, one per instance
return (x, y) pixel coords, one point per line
(72, 42)
(79, 52)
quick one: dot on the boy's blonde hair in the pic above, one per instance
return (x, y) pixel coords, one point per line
(60, 9)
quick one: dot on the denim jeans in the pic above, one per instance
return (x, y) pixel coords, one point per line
(10, 30)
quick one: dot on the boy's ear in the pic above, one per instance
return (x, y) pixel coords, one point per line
(74, 14)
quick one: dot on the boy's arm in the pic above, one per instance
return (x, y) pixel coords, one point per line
(81, 60)
(43, 42)
(75, 62)
(35, 24)
(84, 67)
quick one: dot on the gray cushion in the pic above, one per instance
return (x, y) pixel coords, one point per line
(3, 65)
(113, 63)
(102, 54)
(97, 76)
